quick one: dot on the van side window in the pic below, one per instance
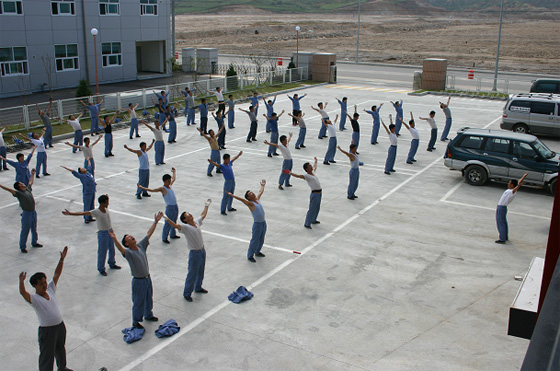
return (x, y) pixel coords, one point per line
(471, 142)
(546, 87)
(543, 108)
(520, 105)
(497, 145)
(523, 150)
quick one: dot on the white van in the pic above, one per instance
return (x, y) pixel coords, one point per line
(534, 113)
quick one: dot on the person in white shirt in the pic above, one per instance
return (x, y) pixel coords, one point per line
(501, 210)
(324, 117)
(41, 151)
(415, 139)
(87, 151)
(331, 149)
(433, 125)
(197, 255)
(288, 162)
(316, 193)
(392, 152)
(52, 332)
(78, 133)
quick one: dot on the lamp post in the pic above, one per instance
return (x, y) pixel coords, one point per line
(94, 31)
(358, 39)
(297, 46)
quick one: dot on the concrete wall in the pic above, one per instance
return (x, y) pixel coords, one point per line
(39, 30)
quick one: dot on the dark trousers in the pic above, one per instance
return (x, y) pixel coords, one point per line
(51, 347)
(252, 131)
(204, 124)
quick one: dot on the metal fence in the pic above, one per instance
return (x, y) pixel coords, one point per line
(244, 69)
(27, 117)
(486, 84)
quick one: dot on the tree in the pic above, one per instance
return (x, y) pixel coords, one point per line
(231, 78)
(83, 89)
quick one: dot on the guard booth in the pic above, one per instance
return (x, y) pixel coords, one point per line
(434, 73)
(206, 60)
(189, 59)
(324, 67)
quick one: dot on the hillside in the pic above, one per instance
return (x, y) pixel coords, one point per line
(417, 7)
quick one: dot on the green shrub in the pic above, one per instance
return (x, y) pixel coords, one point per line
(83, 89)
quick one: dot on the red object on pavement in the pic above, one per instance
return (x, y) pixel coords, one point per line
(471, 75)
(280, 61)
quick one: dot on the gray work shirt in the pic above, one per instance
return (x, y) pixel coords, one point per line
(447, 112)
(26, 199)
(46, 120)
(252, 116)
(103, 219)
(138, 260)
(190, 102)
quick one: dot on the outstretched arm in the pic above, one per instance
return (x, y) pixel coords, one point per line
(281, 113)
(290, 137)
(261, 191)
(160, 189)
(213, 163)
(136, 151)
(97, 141)
(174, 176)
(386, 129)
(117, 242)
(350, 155)
(270, 144)
(32, 179)
(12, 191)
(72, 145)
(297, 175)
(151, 145)
(67, 168)
(24, 137)
(208, 138)
(58, 270)
(172, 223)
(313, 108)
(149, 127)
(205, 210)
(75, 213)
(247, 203)
(157, 218)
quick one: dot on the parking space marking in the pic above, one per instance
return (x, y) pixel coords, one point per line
(492, 123)
(456, 187)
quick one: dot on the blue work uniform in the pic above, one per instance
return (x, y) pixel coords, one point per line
(172, 212)
(231, 113)
(108, 139)
(94, 110)
(41, 156)
(203, 108)
(172, 127)
(229, 186)
(28, 217)
(376, 125)
(142, 289)
(273, 135)
(448, 120)
(269, 112)
(255, 103)
(355, 132)
(343, 109)
(259, 230)
(222, 136)
(391, 154)
(354, 176)
(47, 136)
(302, 130)
(398, 117)
(143, 173)
(88, 191)
(22, 170)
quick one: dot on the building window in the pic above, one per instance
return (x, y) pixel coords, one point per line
(109, 7)
(63, 7)
(148, 7)
(66, 57)
(111, 53)
(13, 61)
(11, 7)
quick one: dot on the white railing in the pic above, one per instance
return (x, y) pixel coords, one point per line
(28, 117)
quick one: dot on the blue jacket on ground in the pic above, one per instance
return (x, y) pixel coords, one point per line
(240, 295)
(132, 334)
(167, 329)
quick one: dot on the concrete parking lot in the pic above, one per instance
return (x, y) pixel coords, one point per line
(407, 276)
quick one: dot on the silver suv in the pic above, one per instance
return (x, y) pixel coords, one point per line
(534, 113)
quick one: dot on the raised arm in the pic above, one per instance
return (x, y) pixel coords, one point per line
(151, 145)
(350, 155)
(261, 191)
(157, 218)
(281, 113)
(38, 109)
(22, 289)
(136, 151)
(313, 108)
(172, 223)
(58, 270)
(97, 141)
(386, 129)
(297, 175)
(520, 182)
(49, 107)
(149, 127)
(174, 176)
(208, 137)
(243, 110)
(247, 203)
(220, 131)
(236, 157)
(24, 137)
(67, 168)
(213, 163)
(290, 137)
(205, 210)
(117, 242)
(160, 189)
(32, 179)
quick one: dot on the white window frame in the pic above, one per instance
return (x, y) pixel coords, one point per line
(146, 4)
(105, 7)
(5, 66)
(63, 59)
(16, 2)
(106, 58)
(58, 4)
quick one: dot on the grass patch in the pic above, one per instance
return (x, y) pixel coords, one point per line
(480, 94)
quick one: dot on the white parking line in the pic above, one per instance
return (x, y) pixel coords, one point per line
(493, 209)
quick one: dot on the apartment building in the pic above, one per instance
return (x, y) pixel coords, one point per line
(48, 44)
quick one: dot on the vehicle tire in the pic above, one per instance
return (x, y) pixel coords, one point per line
(552, 186)
(476, 175)
(520, 128)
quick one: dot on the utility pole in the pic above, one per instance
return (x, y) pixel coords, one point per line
(358, 41)
(498, 51)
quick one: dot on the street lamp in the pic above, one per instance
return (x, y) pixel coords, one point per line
(297, 46)
(495, 88)
(358, 40)
(94, 31)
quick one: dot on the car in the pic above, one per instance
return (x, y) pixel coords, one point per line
(534, 113)
(545, 86)
(482, 155)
